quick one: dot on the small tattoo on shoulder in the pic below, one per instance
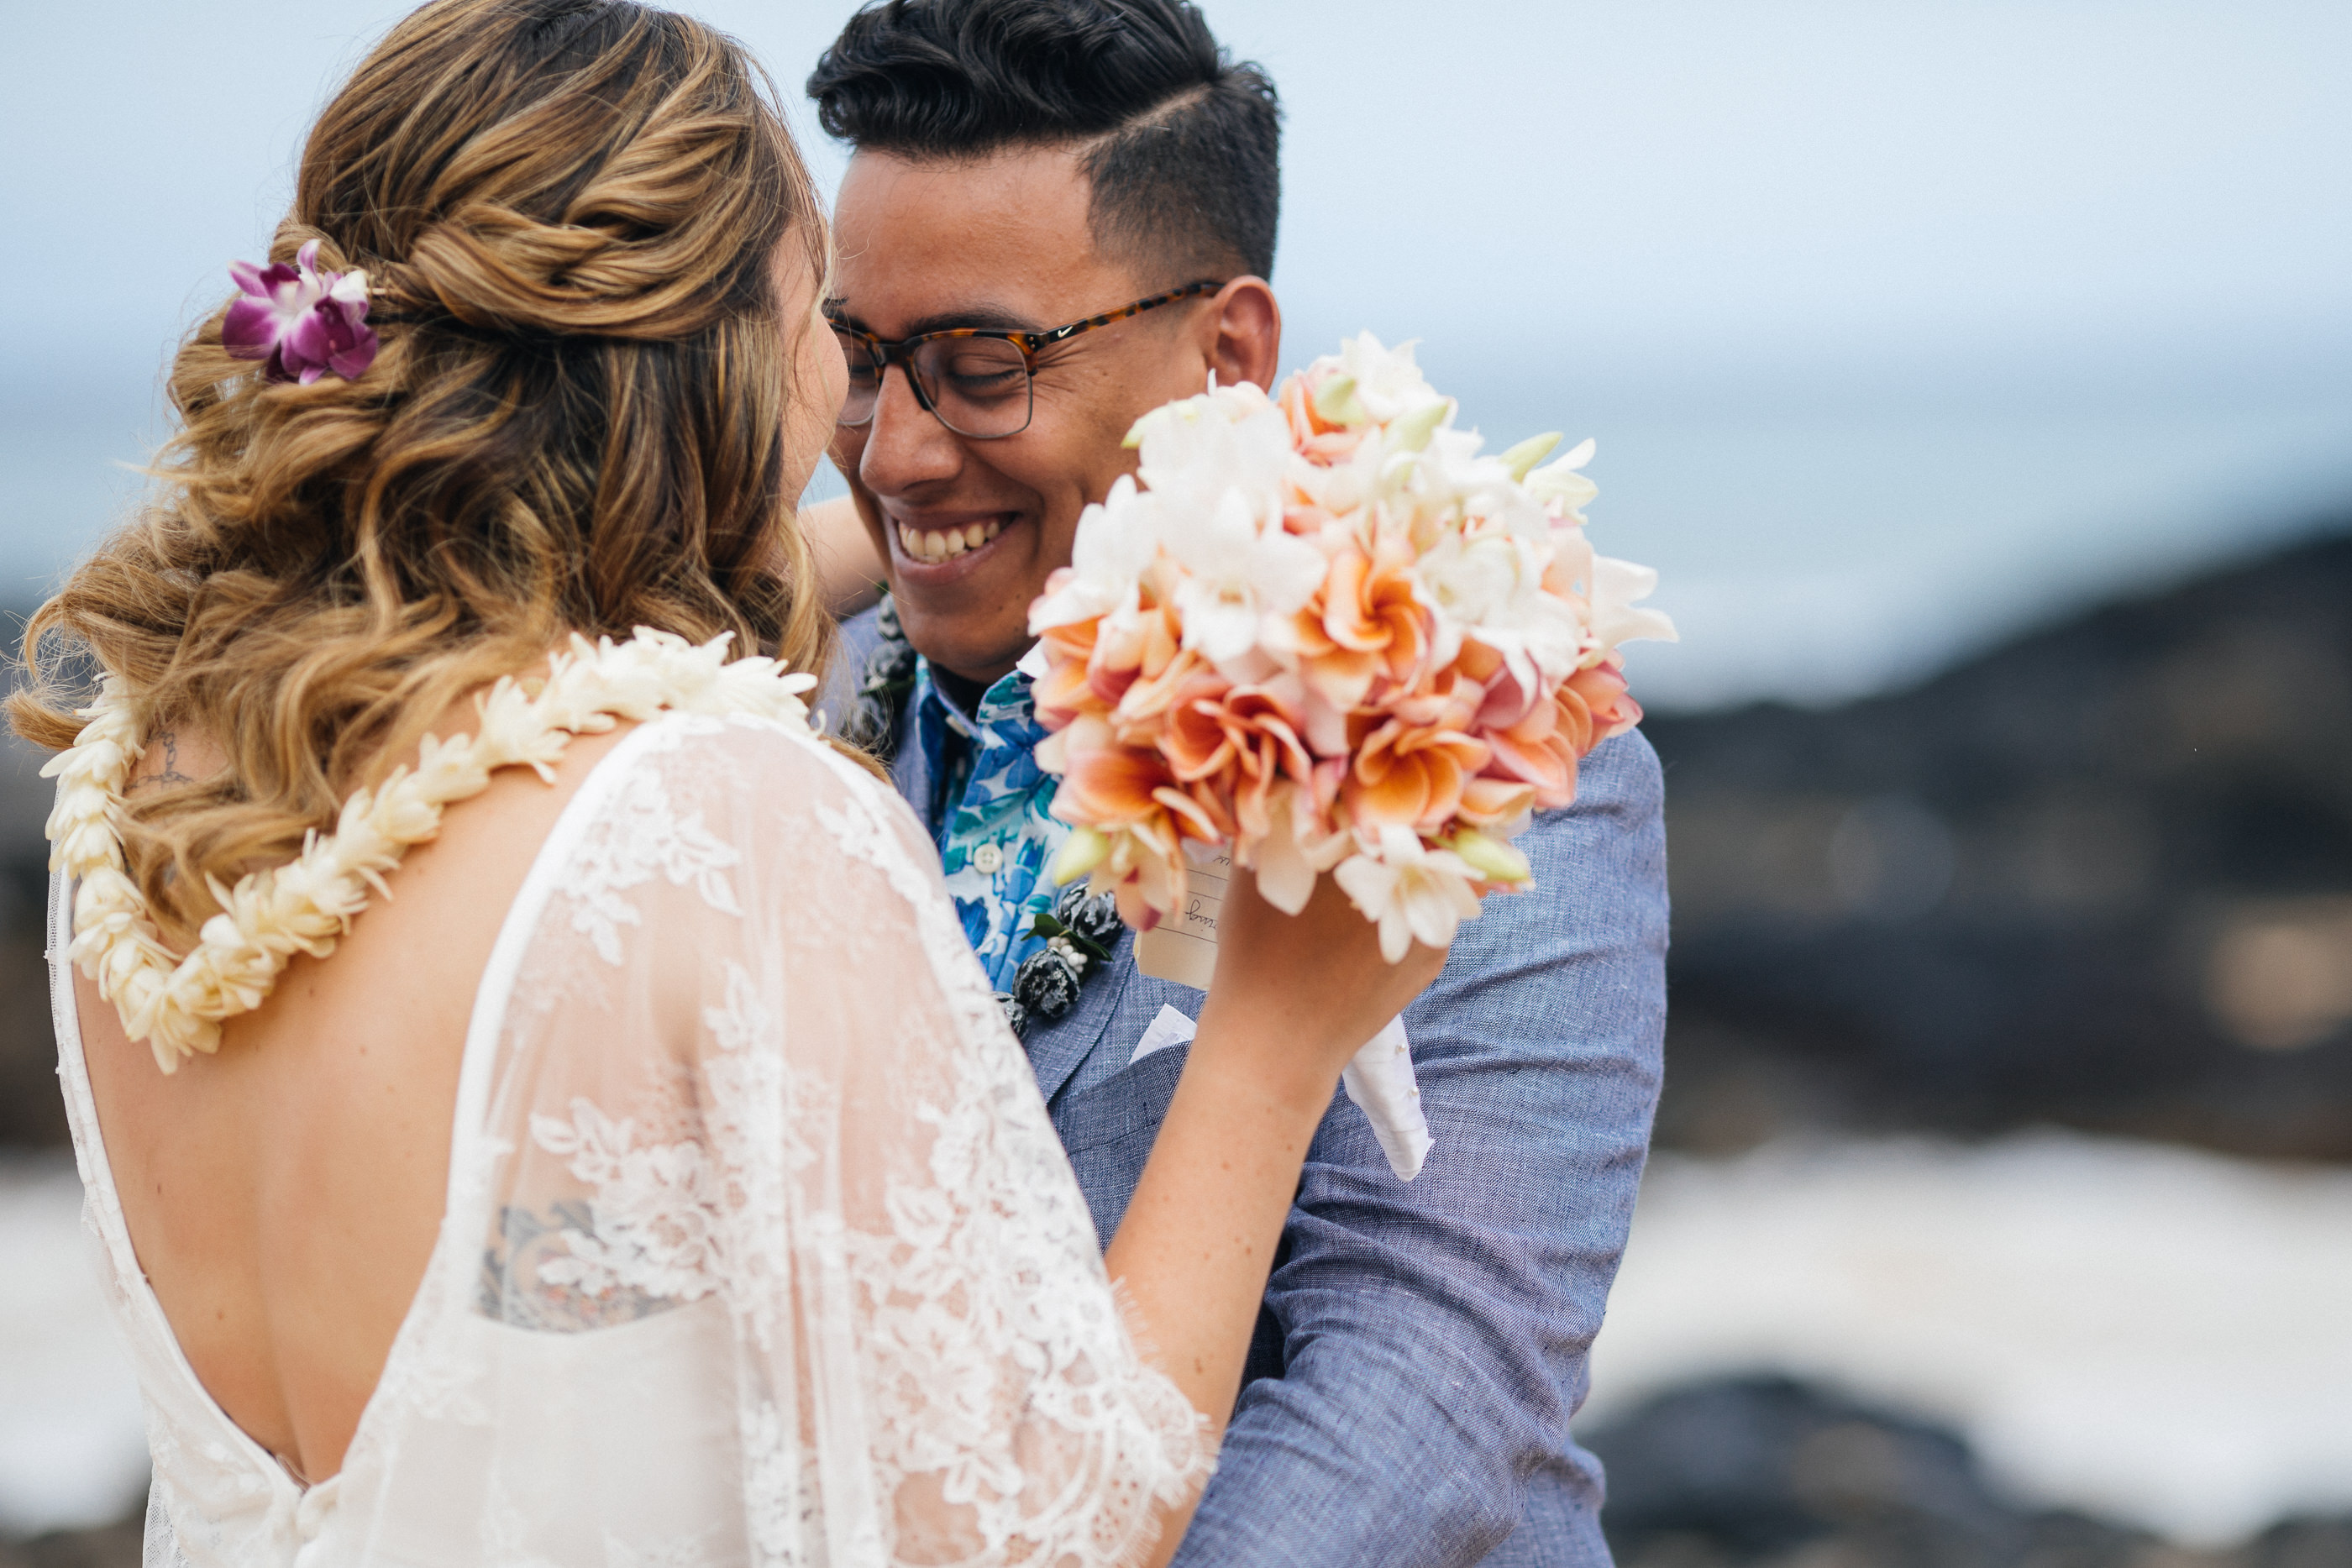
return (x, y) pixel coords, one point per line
(169, 739)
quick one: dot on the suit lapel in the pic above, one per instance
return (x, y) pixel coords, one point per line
(1056, 1048)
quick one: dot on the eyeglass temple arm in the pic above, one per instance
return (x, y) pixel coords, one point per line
(1059, 334)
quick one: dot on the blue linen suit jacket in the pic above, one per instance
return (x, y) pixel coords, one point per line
(1424, 1344)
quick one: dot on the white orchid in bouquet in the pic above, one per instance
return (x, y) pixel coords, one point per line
(1327, 632)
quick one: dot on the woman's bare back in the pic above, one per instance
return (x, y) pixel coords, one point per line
(284, 1195)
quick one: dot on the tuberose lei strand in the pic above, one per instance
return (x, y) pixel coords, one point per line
(177, 1003)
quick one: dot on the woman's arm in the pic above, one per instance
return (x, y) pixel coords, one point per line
(1010, 1403)
(1292, 999)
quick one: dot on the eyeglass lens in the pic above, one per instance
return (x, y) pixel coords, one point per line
(978, 387)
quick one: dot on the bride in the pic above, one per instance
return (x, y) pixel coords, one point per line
(647, 1175)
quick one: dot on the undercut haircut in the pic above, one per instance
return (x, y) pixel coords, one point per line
(1181, 145)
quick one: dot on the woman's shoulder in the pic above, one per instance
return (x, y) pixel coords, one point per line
(766, 786)
(778, 759)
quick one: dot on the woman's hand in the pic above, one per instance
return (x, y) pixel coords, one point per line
(1303, 992)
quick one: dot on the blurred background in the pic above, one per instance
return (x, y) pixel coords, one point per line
(1978, 375)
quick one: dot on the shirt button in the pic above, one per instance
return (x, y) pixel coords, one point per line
(987, 860)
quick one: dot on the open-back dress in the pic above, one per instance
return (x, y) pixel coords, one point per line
(758, 1247)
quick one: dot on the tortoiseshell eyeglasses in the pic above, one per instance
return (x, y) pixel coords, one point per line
(979, 382)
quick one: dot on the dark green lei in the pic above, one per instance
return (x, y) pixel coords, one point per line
(1080, 933)
(884, 689)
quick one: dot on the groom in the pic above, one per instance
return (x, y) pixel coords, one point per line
(1090, 188)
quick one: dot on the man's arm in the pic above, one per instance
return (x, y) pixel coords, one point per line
(1435, 1332)
(849, 573)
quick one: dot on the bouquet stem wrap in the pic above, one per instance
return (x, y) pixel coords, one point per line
(1379, 1079)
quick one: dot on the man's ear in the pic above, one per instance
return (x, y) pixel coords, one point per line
(1242, 326)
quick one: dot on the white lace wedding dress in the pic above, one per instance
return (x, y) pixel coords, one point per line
(758, 1246)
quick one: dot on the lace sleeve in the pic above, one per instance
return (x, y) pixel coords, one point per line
(773, 1255)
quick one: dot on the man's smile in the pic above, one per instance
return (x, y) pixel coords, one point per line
(945, 544)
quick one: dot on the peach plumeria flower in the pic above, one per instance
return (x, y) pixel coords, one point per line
(1328, 632)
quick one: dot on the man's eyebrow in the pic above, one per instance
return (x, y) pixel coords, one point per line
(991, 318)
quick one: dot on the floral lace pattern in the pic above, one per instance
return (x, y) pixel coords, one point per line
(676, 1221)
(642, 839)
(808, 1279)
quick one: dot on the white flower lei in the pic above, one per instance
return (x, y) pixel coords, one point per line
(178, 1004)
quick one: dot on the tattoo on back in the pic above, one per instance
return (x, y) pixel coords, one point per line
(512, 1292)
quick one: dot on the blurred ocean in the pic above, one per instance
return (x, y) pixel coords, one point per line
(1809, 554)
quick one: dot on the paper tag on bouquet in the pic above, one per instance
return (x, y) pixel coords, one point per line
(1379, 1079)
(1184, 948)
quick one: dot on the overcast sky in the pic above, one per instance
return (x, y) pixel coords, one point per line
(1857, 297)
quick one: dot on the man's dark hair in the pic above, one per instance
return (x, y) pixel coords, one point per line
(1182, 145)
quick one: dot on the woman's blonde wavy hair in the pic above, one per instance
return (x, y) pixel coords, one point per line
(569, 212)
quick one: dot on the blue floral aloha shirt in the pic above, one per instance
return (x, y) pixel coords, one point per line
(995, 838)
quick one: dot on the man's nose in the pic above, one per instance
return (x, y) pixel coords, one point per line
(906, 445)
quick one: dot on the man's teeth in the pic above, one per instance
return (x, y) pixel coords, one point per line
(941, 544)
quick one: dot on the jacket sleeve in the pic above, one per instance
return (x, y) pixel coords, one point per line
(1434, 1334)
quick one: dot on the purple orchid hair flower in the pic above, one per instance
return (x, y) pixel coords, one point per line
(305, 322)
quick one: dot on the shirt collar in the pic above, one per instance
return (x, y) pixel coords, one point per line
(1005, 710)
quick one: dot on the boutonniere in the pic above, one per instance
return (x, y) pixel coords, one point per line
(1081, 933)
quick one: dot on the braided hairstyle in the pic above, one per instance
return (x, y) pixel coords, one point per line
(580, 220)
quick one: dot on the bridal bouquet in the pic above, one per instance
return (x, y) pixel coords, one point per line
(1324, 632)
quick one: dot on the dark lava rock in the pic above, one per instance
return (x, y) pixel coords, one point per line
(1769, 1473)
(107, 1546)
(1746, 1471)
(32, 1112)
(2100, 877)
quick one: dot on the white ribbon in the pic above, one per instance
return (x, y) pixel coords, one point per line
(1379, 1079)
